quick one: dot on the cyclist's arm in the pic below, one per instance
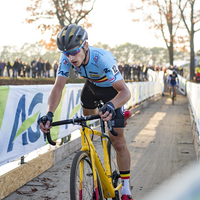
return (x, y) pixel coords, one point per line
(123, 93)
(168, 80)
(122, 97)
(56, 93)
(177, 80)
(53, 100)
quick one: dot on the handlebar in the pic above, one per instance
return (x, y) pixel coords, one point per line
(78, 120)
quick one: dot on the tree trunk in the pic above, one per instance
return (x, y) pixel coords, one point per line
(192, 55)
(171, 53)
(170, 26)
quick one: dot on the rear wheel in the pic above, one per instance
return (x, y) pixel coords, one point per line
(83, 189)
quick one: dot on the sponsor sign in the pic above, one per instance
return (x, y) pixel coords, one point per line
(22, 106)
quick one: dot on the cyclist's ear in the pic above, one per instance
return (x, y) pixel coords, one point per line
(86, 45)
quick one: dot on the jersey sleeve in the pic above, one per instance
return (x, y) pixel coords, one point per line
(111, 69)
(64, 66)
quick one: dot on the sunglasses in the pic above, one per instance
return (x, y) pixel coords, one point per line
(73, 52)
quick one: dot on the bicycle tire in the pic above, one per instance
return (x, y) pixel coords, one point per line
(88, 189)
(116, 179)
(172, 95)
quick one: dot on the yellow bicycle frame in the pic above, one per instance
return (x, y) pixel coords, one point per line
(105, 175)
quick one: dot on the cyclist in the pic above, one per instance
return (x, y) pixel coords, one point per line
(103, 82)
(173, 81)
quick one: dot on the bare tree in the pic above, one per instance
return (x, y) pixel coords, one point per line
(161, 15)
(53, 15)
(190, 21)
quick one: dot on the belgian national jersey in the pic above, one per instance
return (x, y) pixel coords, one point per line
(101, 70)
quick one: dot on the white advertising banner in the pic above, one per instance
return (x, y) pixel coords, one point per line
(193, 93)
(22, 106)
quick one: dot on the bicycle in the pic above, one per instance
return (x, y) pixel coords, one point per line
(88, 178)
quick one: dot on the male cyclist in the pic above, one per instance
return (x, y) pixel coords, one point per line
(103, 82)
(173, 81)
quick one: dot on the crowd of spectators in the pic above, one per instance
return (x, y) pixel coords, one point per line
(35, 69)
(138, 72)
(40, 68)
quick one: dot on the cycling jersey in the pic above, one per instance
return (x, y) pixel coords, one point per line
(173, 80)
(101, 70)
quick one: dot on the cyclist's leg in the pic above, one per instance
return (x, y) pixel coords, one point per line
(87, 112)
(170, 89)
(88, 101)
(123, 159)
(175, 85)
(123, 154)
(122, 151)
(174, 90)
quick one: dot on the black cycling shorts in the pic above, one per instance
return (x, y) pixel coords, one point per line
(92, 93)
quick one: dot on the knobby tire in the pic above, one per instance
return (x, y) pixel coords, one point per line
(88, 189)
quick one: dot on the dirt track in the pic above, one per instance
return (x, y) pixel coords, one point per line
(160, 141)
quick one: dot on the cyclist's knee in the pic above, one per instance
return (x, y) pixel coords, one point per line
(119, 144)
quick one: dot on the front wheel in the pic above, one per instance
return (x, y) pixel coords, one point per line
(82, 186)
(172, 95)
(114, 168)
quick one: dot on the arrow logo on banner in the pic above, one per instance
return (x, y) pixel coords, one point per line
(26, 124)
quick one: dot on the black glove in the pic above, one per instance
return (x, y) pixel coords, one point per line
(108, 107)
(44, 119)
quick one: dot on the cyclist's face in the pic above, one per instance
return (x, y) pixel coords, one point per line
(77, 59)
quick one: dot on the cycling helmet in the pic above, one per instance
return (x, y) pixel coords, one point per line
(174, 72)
(71, 36)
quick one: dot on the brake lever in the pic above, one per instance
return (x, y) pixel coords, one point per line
(111, 128)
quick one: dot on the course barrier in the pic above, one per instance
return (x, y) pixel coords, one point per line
(193, 93)
(22, 106)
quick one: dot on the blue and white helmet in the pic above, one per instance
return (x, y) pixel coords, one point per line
(71, 36)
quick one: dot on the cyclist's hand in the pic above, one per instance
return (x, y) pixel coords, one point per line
(45, 122)
(107, 112)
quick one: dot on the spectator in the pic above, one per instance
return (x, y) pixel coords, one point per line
(15, 68)
(34, 70)
(2, 66)
(8, 66)
(126, 71)
(28, 69)
(134, 70)
(24, 69)
(43, 69)
(55, 68)
(32, 62)
(138, 72)
(39, 67)
(19, 67)
(145, 71)
(120, 67)
(48, 67)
